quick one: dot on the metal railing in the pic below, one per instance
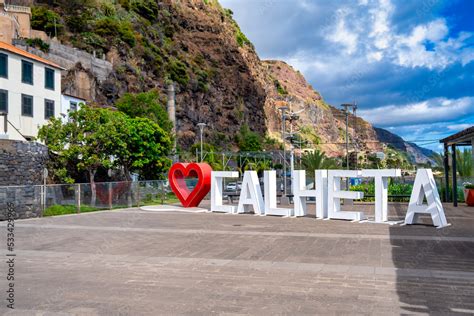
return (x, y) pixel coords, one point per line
(56, 199)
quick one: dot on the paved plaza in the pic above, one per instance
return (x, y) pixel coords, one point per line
(135, 262)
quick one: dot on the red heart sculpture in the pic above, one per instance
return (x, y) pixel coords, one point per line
(178, 173)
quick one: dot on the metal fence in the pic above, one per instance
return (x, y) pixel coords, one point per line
(55, 199)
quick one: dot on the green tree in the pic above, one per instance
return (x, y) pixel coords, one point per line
(145, 104)
(46, 20)
(141, 146)
(83, 140)
(101, 138)
(317, 160)
(248, 140)
(439, 161)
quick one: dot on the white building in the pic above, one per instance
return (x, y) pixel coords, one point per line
(30, 92)
(70, 103)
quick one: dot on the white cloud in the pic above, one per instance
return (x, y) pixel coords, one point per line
(341, 34)
(432, 110)
(459, 127)
(373, 35)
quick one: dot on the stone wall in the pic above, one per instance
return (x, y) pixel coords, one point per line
(21, 174)
(83, 70)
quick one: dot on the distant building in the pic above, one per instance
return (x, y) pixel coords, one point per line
(70, 104)
(15, 22)
(30, 92)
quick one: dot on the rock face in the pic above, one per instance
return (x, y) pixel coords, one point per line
(318, 122)
(234, 96)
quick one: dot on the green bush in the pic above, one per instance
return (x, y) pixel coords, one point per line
(55, 210)
(110, 27)
(248, 140)
(38, 43)
(46, 20)
(393, 189)
(202, 79)
(469, 186)
(241, 38)
(146, 8)
(177, 71)
(281, 90)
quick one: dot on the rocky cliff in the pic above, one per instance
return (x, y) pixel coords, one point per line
(318, 123)
(220, 80)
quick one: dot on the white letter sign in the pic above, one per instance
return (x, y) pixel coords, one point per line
(321, 177)
(251, 194)
(335, 195)
(300, 193)
(425, 185)
(381, 190)
(217, 191)
(269, 182)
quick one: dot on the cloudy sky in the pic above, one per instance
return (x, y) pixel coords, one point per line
(409, 65)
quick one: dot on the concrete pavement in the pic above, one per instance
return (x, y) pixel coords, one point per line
(132, 262)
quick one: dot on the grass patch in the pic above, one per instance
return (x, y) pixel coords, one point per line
(55, 210)
(158, 199)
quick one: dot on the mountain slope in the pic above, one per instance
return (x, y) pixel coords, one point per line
(416, 154)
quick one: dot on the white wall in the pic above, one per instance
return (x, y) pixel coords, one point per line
(28, 126)
(66, 105)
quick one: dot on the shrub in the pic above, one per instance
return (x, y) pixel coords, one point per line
(281, 90)
(94, 40)
(469, 186)
(46, 20)
(110, 27)
(202, 78)
(146, 8)
(177, 71)
(241, 38)
(38, 43)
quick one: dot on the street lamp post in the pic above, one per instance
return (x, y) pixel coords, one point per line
(201, 128)
(346, 107)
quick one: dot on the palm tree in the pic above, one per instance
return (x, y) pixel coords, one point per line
(317, 160)
(464, 162)
(439, 161)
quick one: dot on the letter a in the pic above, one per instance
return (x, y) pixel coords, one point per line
(425, 185)
(251, 194)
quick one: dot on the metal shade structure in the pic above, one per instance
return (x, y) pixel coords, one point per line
(462, 138)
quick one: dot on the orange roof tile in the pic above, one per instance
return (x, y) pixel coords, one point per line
(17, 51)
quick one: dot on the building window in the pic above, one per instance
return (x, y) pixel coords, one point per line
(49, 78)
(26, 105)
(72, 106)
(48, 109)
(3, 101)
(3, 65)
(26, 72)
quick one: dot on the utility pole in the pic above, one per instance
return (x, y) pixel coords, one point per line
(171, 107)
(283, 133)
(354, 111)
(201, 128)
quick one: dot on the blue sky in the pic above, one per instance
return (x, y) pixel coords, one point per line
(409, 65)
